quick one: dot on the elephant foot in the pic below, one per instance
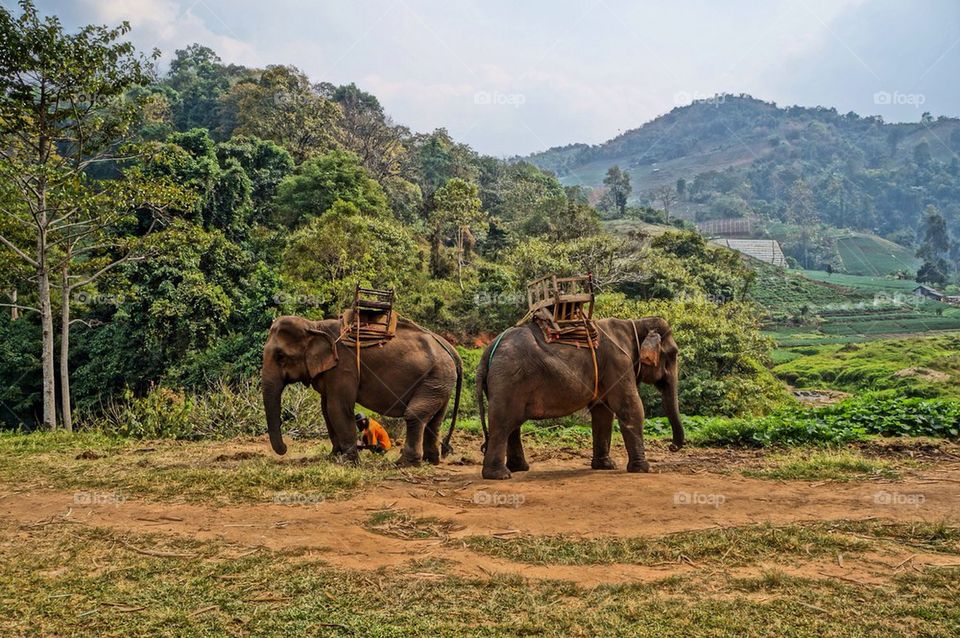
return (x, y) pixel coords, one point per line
(605, 463)
(432, 459)
(673, 447)
(347, 458)
(638, 466)
(406, 461)
(518, 465)
(496, 473)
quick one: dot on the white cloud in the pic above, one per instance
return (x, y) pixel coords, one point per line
(169, 25)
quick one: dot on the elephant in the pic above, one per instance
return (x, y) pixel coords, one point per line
(411, 376)
(526, 378)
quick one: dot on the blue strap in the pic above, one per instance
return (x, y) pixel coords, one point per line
(496, 344)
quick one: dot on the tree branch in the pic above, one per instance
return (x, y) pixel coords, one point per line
(19, 307)
(22, 254)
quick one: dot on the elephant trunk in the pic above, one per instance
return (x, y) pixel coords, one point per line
(272, 392)
(671, 406)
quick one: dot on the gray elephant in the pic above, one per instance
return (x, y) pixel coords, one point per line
(526, 378)
(410, 376)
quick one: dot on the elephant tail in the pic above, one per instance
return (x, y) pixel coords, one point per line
(446, 448)
(481, 390)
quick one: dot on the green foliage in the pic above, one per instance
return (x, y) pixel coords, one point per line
(798, 163)
(222, 410)
(850, 420)
(913, 365)
(319, 182)
(325, 259)
(723, 358)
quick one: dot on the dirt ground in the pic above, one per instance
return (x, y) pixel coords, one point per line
(695, 489)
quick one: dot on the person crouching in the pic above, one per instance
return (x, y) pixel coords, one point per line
(372, 435)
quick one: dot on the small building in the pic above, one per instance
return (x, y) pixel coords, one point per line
(928, 293)
(953, 300)
(765, 250)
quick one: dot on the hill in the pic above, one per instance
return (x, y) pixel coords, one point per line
(738, 156)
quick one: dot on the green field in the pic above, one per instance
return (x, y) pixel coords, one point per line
(924, 366)
(869, 255)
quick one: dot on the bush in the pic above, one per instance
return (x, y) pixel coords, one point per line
(851, 420)
(221, 411)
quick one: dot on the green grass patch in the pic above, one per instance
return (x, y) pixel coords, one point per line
(824, 465)
(184, 471)
(729, 546)
(81, 581)
(921, 366)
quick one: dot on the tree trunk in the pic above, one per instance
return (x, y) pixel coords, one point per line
(66, 412)
(14, 311)
(46, 326)
(460, 257)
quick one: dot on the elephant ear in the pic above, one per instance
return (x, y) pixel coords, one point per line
(321, 352)
(650, 349)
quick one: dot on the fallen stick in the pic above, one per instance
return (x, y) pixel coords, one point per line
(158, 553)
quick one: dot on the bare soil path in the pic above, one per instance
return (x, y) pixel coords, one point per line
(558, 496)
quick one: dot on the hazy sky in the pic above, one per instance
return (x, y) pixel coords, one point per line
(511, 77)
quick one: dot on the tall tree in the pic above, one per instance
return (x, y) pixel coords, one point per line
(934, 248)
(618, 185)
(283, 106)
(63, 113)
(667, 196)
(456, 211)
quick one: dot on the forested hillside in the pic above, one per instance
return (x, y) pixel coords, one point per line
(218, 197)
(736, 156)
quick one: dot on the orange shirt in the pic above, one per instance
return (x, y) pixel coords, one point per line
(374, 434)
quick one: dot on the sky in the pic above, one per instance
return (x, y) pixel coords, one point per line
(513, 77)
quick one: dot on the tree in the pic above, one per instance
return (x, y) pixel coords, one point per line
(667, 196)
(934, 248)
(199, 79)
(330, 254)
(323, 180)
(364, 129)
(62, 113)
(618, 186)
(282, 105)
(456, 209)
(803, 214)
(681, 187)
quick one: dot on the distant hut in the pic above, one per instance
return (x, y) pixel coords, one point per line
(927, 292)
(765, 250)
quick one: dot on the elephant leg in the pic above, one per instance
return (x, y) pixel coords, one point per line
(431, 438)
(341, 428)
(335, 449)
(516, 461)
(502, 426)
(631, 427)
(602, 427)
(418, 413)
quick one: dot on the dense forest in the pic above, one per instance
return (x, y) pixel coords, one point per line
(155, 223)
(737, 156)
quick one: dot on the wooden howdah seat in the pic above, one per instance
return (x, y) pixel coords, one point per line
(371, 320)
(563, 308)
